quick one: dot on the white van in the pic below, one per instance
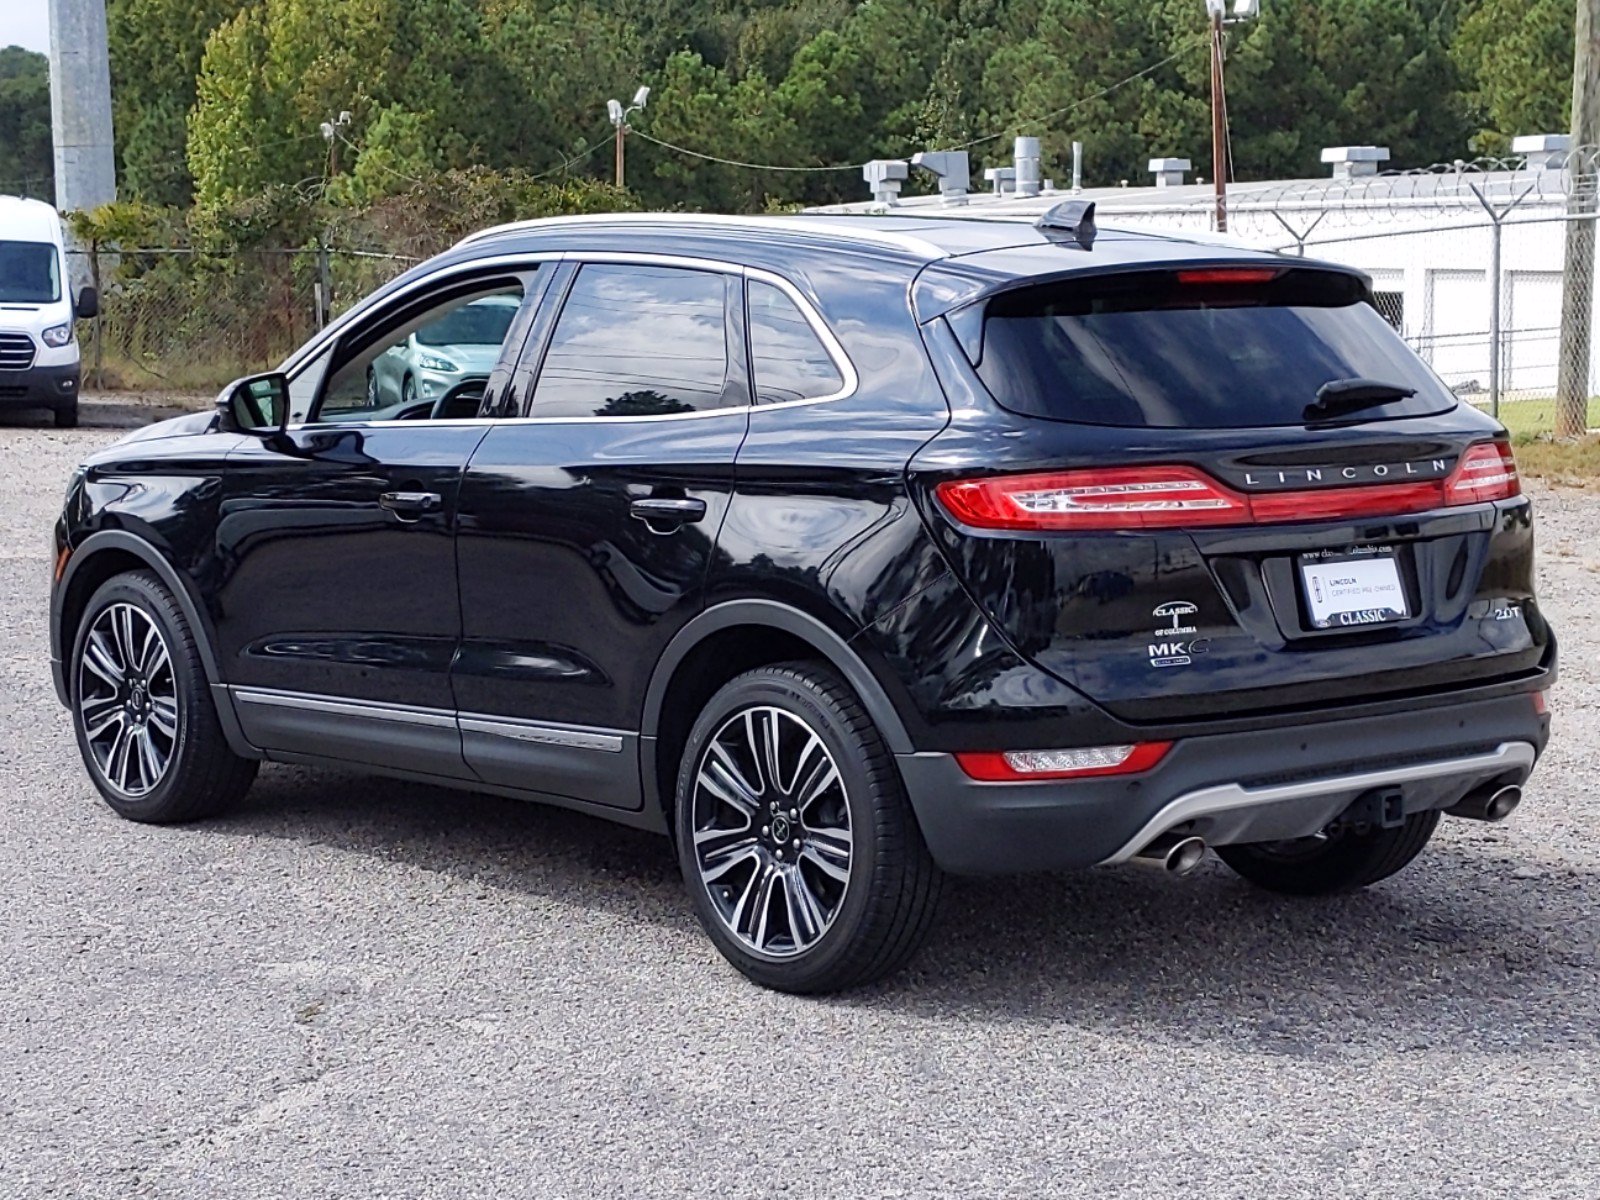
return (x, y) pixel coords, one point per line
(38, 348)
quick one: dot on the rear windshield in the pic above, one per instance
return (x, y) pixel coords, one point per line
(1202, 349)
(30, 273)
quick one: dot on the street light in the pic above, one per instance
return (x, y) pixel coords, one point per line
(618, 116)
(1217, 11)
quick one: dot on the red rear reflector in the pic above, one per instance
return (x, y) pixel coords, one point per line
(1541, 703)
(1167, 497)
(1229, 275)
(1020, 766)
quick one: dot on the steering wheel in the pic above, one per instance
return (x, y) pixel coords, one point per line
(460, 401)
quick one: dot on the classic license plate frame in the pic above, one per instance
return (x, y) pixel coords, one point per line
(1354, 589)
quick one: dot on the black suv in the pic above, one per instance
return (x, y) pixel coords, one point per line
(849, 551)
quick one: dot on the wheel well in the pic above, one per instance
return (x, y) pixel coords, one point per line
(722, 656)
(86, 580)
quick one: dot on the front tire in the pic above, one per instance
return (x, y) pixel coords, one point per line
(142, 709)
(67, 418)
(1323, 866)
(797, 842)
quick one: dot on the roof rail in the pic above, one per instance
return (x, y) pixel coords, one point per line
(848, 228)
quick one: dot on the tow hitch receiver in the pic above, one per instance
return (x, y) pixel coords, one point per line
(1381, 808)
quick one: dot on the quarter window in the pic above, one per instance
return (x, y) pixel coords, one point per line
(636, 341)
(788, 358)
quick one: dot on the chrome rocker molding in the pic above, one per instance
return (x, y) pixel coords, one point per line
(1248, 804)
(569, 736)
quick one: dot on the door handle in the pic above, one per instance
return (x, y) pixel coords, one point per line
(667, 512)
(411, 505)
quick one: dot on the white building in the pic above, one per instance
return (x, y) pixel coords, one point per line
(1426, 238)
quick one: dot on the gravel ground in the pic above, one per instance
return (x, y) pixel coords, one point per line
(359, 988)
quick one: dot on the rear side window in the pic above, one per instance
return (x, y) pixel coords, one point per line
(789, 360)
(636, 341)
(1203, 349)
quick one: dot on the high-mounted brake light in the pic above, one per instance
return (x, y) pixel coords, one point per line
(1224, 275)
(1018, 766)
(1174, 497)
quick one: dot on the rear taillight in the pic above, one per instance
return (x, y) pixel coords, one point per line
(1116, 498)
(1487, 471)
(1021, 766)
(1167, 497)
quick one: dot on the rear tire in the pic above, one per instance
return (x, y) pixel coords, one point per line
(1319, 867)
(799, 848)
(67, 418)
(142, 709)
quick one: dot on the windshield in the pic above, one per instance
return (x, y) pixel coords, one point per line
(1196, 349)
(481, 323)
(30, 273)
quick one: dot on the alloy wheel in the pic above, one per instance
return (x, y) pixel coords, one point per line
(128, 699)
(772, 836)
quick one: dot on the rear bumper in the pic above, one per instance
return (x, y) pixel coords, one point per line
(52, 387)
(1265, 785)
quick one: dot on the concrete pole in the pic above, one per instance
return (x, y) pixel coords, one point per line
(80, 105)
(1577, 282)
(1219, 124)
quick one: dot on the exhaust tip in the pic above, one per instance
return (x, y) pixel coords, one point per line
(1492, 802)
(1175, 854)
(1503, 803)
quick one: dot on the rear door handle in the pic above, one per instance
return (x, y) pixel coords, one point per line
(411, 505)
(668, 511)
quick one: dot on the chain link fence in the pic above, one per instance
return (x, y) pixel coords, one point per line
(187, 321)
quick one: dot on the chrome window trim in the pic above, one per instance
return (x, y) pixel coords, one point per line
(375, 710)
(579, 737)
(336, 328)
(830, 343)
(837, 228)
(1229, 797)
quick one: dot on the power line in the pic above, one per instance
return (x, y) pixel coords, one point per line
(988, 137)
(734, 162)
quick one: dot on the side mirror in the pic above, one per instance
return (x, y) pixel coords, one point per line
(257, 404)
(88, 304)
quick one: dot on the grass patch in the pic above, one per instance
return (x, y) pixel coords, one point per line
(1575, 463)
(1529, 418)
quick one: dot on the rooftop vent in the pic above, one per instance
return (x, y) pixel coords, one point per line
(1003, 180)
(1025, 159)
(1543, 151)
(885, 176)
(952, 170)
(1169, 172)
(1351, 162)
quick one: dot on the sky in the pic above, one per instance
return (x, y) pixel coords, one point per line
(25, 23)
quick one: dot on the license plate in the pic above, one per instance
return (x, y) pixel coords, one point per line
(1359, 587)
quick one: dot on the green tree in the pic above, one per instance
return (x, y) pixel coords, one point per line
(156, 48)
(1516, 56)
(27, 159)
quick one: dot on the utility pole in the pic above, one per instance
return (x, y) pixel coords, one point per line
(80, 105)
(618, 116)
(1219, 117)
(1577, 282)
(1217, 11)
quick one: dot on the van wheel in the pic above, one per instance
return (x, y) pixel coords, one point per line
(67, 418)
(797, 842)
(142, 710)
(1320, 866)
